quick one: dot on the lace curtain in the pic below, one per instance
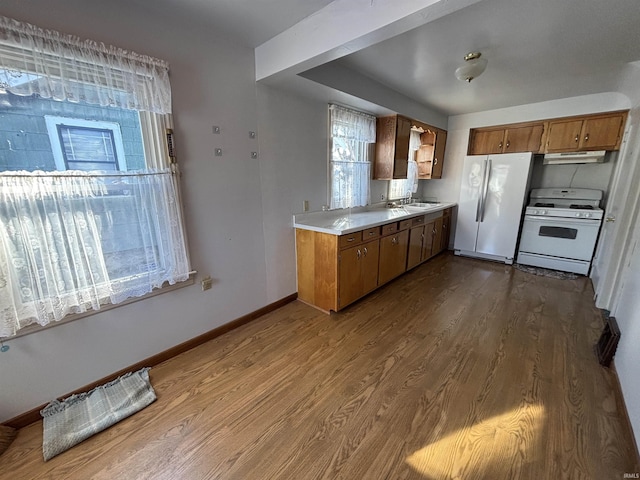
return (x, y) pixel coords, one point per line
(63, 67)
(352, 136)
(71, 241)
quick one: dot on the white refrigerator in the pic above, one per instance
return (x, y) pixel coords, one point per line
(492, 197)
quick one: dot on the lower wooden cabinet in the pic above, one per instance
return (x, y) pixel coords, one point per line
(393, 256)
(358, 271)
(335, 271)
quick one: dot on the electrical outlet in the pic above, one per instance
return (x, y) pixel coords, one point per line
(207, 283)
(305, 206)
(382, 197)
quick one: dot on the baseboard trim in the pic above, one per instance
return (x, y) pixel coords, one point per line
(33, 415)
(622, 406)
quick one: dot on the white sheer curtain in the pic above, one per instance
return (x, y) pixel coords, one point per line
(352, 136)
(71, 241)
(63, 67)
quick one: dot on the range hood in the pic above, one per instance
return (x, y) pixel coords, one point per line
(574, 157)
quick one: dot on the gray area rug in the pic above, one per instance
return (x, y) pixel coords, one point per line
(545, 272)
(76, 418)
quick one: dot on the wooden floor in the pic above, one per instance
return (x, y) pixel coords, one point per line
(461, 369)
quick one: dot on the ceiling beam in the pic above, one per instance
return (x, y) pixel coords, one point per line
(344, 27)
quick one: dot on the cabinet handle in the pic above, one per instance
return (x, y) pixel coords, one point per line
(434, 231)
(508, 143)
(394, 240)
(577, 138)
(351, 239)
(500, 145)
(435, 162)
(358, 254)
(422, 236)
(372, 233)
(444, 227)
(365, 251)
(586, 137)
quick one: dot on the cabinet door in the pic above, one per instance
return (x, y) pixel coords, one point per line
(350, 275)
(401, 158)
(437, 237)
(438, 157)
(601, 133)
(446, 230)
(564, 136)
(393, 256)
(486, 142)
(385, 148)
(427, 245)
(414, 254)
(524, 139)
(392, 148)
(369, 266)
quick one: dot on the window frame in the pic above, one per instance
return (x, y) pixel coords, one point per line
(57, 149)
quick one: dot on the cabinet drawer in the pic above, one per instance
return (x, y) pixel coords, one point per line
(371, 233)
(350, 239)
(390, 228)
(417, 221)
(405, 224)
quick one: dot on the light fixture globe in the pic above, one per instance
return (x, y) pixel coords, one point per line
(473, 67)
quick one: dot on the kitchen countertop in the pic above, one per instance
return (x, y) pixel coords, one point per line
(341, 222)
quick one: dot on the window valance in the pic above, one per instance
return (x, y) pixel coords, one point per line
(64, 67)
(352, 125)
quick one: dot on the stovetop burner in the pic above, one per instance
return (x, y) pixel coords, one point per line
(581, 207)
(546, 205)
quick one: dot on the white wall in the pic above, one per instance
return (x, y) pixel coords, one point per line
(626, 244)
(293, 168)
(213, 83)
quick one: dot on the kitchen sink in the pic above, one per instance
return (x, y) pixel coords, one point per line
(423, 204)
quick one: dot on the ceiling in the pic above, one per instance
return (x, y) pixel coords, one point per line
(248, 22)
(536, 50)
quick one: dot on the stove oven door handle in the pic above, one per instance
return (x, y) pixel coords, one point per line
(485, 188)
(562, 221)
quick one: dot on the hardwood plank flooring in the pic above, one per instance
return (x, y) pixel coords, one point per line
(460, 369)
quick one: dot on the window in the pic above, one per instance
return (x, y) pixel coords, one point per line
(352, 135)
(89, 196)
(87, 145)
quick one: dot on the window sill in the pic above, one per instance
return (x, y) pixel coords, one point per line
(28, 330)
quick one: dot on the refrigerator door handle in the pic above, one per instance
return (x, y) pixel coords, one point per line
(485, 188)
(479, 203)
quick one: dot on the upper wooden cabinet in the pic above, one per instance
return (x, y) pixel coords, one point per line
(595, 132)
(601, 131)
(430, 155)
(506, 139)
(392, 149)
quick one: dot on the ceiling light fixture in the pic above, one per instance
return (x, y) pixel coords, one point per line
(474, 66)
